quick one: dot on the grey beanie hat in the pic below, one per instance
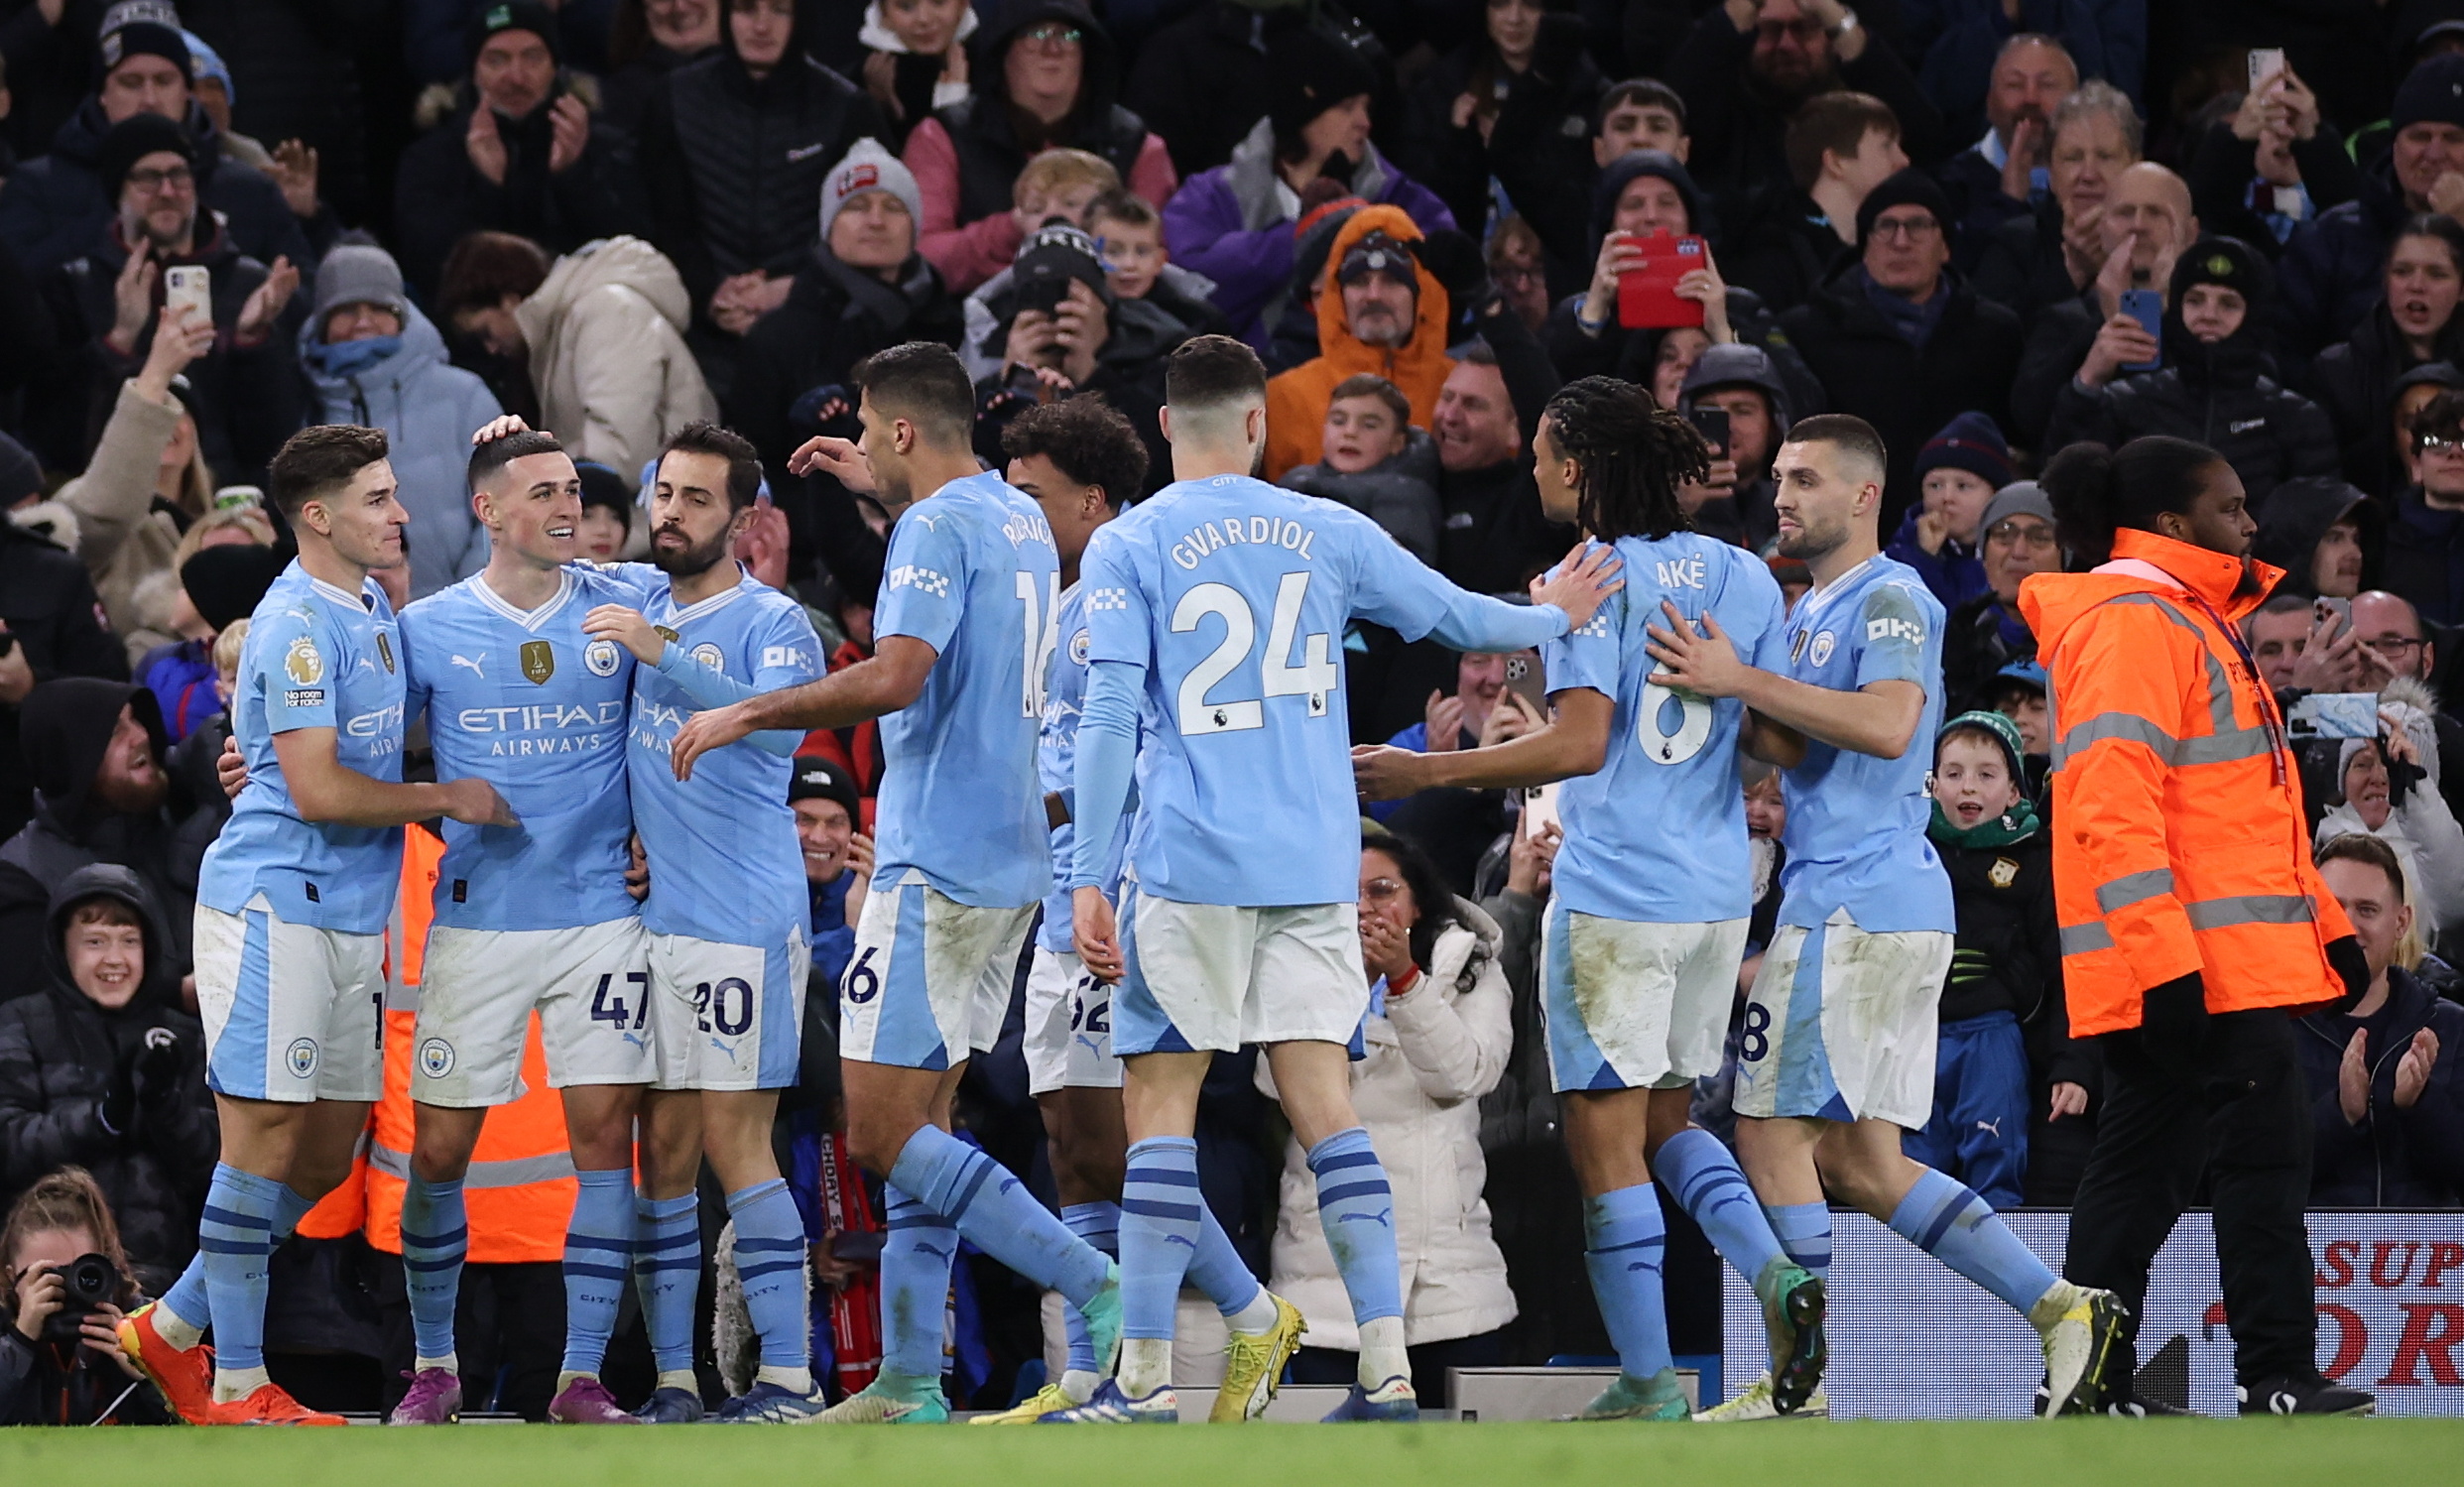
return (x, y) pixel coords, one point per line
(359, 274)
(869, 167)
(2018, 498)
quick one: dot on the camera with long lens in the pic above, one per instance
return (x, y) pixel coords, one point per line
(87, 1285)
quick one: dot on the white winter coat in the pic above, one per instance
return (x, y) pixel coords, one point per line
(1431, 1057)
(608, 358)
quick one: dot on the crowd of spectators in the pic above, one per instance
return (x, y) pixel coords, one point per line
(1995, 229)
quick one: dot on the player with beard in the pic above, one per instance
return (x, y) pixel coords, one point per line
(1836, 1052)
(727, 922)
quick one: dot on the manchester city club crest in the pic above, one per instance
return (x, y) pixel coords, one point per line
(1822, 645)
(302, 1056)
(538, 661)
(1079, 648)
(435, 1057)
(599, 657)
(711, 656)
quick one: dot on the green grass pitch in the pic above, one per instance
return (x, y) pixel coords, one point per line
(2088, 1452)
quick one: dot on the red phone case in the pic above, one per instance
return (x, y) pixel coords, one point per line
(1647, 297)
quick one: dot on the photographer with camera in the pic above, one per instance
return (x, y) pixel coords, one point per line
(103, 1070)
(67, 1284)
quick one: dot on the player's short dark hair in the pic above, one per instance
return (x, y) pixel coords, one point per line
(1087, 440)
(744, 464)
(1846, 431)
(2361, 846)
(924, 383)
(1834, 122)
(488, 458)
(1121, 204)
(485, 267)
(319, 459)
(1631, 457)
(1371, 385)
(1211, 371)
(1650, 92)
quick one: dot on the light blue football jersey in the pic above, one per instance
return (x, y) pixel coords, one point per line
(972, 573)
(1057, 764)
(1234, 595)
(724, 863)
(537, 709)
(316, 657)
(1856, 832)
(1657, 835)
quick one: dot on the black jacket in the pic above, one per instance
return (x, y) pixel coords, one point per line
(2424, 558)
(1979, 639)
(1784, 253)
(1201, 82)
(984, 130)
(66, 725)
(2298, 514)
(246, 399)
(2391, 1158)
(1979, 209)
(2020, 265)
(47, 600)
(1538, 148)
(2336, 265)
(734, 166)
(440, 196)
(1493, 531)
(119, 1092)
(2223, 169)
(69, 1384)
(2214, 394)
(1907, 394)
(2355, 381)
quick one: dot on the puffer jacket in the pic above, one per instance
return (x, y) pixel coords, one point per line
(608, 358)
(2333, 266)
(429, 410)
(2215, 395)
(2355, 381)
(1297, 400)
(1430, 1058)
(1232, 224)
(1399, 493)
(125, 533)
(60, 1052)
(2181, 844)
(2392, 1158)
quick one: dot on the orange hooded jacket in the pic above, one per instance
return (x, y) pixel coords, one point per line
(2179, 840)
(1297, 400)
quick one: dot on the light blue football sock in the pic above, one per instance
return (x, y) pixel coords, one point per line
(1944, 1217)
(598, 1261)
(1357, 1210)
(667, 1275)
(1159, 1223)
(916, 1252)
(1219, 1272)
(235, 1234)
(1624, 1240)
(997, 1214)
(770, 1261)
(186, 1297)
(1710, 1187)
(1099, 1224)
(1804, 1234)
(436, 1236)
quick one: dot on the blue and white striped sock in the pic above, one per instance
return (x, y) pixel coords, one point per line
(186, 1310)
(598, 1260)
(1804, 1234)
(236, 1237)
(1944, 1217)
(770, 1261)
(667, 1276)
(1159, 1223)
(1624, 1240)
(916, 1252)
(1357, 1210)
(1709, 1185)
(1099, 1224)
(434, 1238)
(997, 1213)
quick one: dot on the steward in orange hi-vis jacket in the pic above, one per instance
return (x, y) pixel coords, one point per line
(2193, 923)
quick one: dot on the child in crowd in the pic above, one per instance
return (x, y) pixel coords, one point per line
(1376, 463)
(1128, 234)
(2004, 982)
(1061, 183)
(1960, 470)
(2017, 693)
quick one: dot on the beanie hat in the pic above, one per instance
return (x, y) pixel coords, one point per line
(204, 62)
(2225, 261)
(226, 580)
(1377, 252)
(602, 486)
(141, 28)
(1993, 724)
(2018, 498)
(21, 474)
(1972, 441)
(869, 167)
(1052, 253)
(1909, 187)
(359, 274)
(818, 779)
(132, 140)
(1621, 172)
(2431, 93)
(516, 15)
(1312, 70)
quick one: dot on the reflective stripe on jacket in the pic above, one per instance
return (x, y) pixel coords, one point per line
(2181, 843)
